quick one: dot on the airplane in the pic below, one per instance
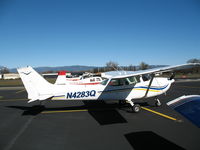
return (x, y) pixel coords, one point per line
(123, 87)
(86, 79)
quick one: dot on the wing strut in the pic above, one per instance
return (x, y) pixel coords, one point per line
(152, 77)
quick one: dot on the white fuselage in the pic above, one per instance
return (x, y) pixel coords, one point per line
(110, 92)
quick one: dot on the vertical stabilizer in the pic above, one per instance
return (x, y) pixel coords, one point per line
(36, 86)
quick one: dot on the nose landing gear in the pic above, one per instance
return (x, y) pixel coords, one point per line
(158, 103)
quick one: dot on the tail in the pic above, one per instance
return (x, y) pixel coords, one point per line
(36, 86)
(61, 79)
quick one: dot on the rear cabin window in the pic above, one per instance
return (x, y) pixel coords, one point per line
(104, 82)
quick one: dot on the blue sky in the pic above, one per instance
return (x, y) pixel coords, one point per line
(93, 32)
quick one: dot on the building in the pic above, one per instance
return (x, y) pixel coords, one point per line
(8, 76)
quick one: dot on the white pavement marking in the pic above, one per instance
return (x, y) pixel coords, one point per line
(21, 131)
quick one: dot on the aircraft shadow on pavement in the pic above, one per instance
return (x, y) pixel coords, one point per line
(102, 112)
(149, 140)
(33, 110)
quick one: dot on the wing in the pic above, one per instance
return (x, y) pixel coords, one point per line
(188, 106)
(124, 74)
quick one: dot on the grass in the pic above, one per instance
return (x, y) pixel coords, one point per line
(51, 80)
(17, 82)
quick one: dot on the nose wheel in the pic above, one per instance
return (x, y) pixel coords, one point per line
(158, 103)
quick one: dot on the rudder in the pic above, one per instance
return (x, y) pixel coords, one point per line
(36, 86)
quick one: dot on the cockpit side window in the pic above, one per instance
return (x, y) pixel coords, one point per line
(133, 79)
(123, 81)
(114, 82)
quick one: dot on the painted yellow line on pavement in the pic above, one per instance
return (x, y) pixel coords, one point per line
(84, 110)
(63, 111)
(78, 110)
(160, 114)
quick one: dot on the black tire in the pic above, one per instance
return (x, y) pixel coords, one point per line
(158, 104)
(136, 108)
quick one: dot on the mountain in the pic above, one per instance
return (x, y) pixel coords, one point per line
(56, 69)
(67, 68)
(74, 68)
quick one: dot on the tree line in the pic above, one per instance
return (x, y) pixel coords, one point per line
(113, 66)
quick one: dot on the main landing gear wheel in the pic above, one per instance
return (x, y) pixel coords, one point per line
(158, 103)
(136, 108)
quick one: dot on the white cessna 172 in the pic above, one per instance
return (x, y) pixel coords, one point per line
(119, 87)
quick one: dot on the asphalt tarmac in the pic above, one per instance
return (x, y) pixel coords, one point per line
(95, 125)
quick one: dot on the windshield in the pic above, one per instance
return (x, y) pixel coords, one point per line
(146, 77)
